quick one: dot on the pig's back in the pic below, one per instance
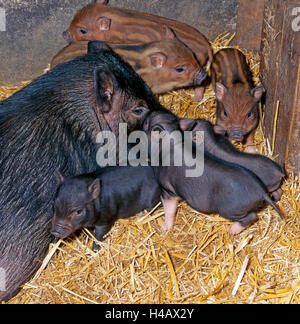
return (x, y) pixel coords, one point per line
(268, 171)
(129, 190)
(130, 26)
(230, 67)
(222, 186)
(69, 52)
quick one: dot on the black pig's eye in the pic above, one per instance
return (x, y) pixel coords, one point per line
(249, 114)
(225, 113)
(179, 69)
(83, 31)
(157, 129)
(79, 212)
(139, 110)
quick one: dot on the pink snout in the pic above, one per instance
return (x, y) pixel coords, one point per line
(236, 135)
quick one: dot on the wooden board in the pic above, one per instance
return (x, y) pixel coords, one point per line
(249, 24)
(280, 74)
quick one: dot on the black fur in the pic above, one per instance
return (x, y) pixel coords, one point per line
(124, 192)
(50, 124)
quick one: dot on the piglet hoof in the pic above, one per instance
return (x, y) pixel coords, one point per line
(250, 149)
(96, 247)
(166, 227)
(236, 228)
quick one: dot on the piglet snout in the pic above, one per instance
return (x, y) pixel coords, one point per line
(200, 76)
(67, 37)
(60, 231)
(236, 135)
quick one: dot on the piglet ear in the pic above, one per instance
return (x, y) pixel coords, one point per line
(158, 60)
(186, 124)
(219, 130)
(104, 23)
(220, 91)
(169, 34)
(257, 92)
(96, 46)
(94, 189)
(104, 2)
(59, 178)
(104, 83)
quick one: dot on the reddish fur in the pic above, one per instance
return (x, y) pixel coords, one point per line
(161, 79)
(130, 27)
(236, 97)
(238, 102)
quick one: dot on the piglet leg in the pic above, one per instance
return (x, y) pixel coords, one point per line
(250, 142)
(277, 194)
(100, 232)
(199, 92)
(238, 227)
(170, 207)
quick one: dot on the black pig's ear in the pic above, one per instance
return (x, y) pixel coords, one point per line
(94, 189)
(59, 177)
(104, 2)
(186, 124)
(96, 46)
(104, 83)
(219, 130)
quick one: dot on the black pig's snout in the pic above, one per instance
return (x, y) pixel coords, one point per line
(60, 231)
(200, 76)
(67, 36)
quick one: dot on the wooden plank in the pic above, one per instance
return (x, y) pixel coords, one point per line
(280, 74)
(249, 24)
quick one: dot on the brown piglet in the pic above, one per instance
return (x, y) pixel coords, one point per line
(122, 26)
(237, 98)
(165, 65)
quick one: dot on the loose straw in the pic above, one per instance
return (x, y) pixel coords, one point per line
(275, 126)
(241, 275)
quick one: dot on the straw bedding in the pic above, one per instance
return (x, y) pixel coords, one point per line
(197, 262)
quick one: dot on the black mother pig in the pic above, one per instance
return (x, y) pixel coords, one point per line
(225, 188)
(52, 124)
(268, 171)
(97, 200)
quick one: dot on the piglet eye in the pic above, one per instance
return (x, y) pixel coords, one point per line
(139, 110)
(157, 129)
(179, 69)
(225, 113)
(79, 212)
(249, 114)
(83, 31)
